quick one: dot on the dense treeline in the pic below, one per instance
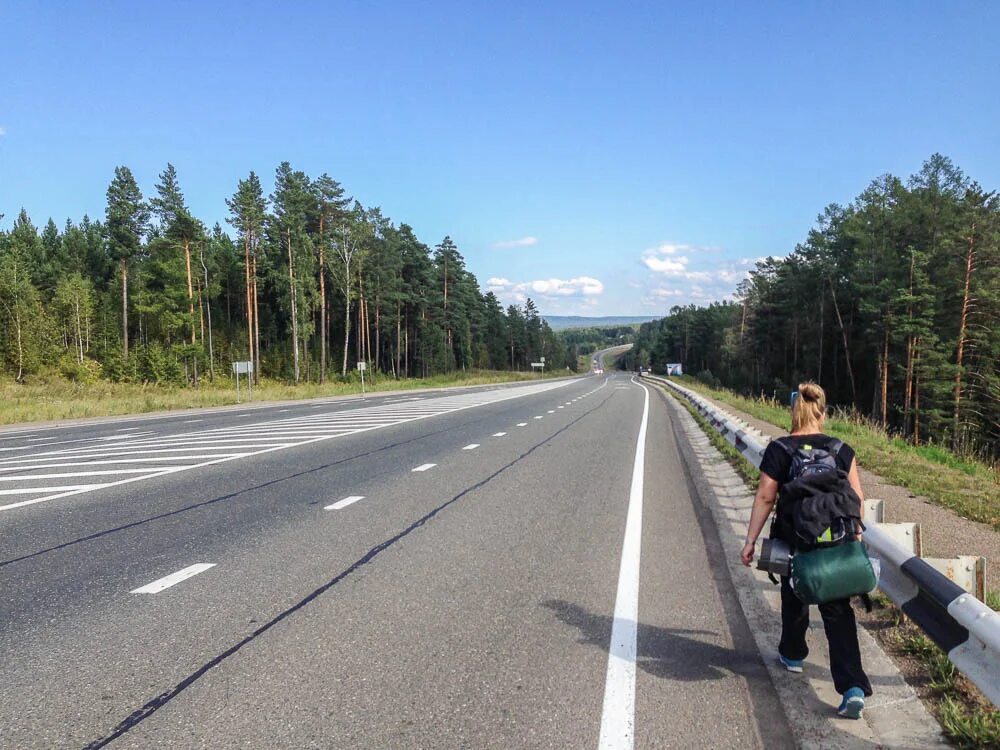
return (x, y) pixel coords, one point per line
(892, 303)
(310, 283)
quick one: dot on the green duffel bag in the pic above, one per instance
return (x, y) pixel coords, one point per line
(826, 574)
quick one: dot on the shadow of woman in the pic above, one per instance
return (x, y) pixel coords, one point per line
(670, 653)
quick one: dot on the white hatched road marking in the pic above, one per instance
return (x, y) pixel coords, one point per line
(140, 455)
(173, 579)
(345, 502)
(424, 467)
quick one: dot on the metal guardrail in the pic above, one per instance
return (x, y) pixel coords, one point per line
(961, 625)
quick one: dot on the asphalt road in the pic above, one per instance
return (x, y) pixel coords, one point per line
(442, 572)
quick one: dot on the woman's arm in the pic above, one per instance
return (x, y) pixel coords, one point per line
(763, 504)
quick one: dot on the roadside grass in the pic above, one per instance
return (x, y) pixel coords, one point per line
(47, 398)
(968, 487)
(733, 457)
(967, 718)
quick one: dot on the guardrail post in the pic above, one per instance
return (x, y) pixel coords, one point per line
(968, 571)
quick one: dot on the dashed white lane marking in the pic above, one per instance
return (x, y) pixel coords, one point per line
(522, 424)
(551, 411)
(282, 411)
(539, 417)
(345, 502)
(471, 447)
(618, 714)
(192, 421)
(424, 467)
(560, 407)
(499, 434)
(173, 579)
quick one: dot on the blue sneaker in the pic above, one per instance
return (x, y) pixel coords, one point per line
(853, 703)
(792, 665)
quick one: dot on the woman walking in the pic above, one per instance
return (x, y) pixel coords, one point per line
(808, 418)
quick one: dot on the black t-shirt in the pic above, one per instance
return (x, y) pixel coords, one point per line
(776, 462)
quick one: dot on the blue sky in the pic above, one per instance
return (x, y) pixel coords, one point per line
(601, 158)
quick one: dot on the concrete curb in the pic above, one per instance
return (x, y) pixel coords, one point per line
(894, 716)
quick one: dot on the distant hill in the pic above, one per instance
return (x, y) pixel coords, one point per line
(562, 322)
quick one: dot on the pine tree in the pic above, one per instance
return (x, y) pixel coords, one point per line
(127, 218)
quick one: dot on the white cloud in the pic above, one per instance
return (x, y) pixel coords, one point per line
(523, 242)
(667, 266)
(698, 276)
(581, 286)
(664, 293)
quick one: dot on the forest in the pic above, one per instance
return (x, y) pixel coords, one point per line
(304, 283)
(892, 303)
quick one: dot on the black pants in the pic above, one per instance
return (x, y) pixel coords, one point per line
(841, 633)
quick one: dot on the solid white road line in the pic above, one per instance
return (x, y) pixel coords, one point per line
(618, 714)
(174, 578)
(345, 502)
(471, 447)
(499, 434)
(191, 421)
(424, 467)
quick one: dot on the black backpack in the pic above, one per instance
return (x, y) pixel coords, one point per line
(807, 460)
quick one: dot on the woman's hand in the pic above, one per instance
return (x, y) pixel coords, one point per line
(746, 556)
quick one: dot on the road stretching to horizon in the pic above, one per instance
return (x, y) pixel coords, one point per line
(522, 566)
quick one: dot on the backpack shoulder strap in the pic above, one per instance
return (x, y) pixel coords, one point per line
(835, 446)
(784, 445)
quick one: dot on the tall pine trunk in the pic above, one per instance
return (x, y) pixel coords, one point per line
(124, 312)
(294, 306)
(190, 288)
(963, 322)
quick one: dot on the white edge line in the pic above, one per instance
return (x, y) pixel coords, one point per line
(618, 713)
(174, 578)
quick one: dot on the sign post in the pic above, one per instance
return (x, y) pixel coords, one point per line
(362, 366)
(241, 368)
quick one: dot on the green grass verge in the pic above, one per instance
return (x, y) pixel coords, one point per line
(735, 459)
(969, 488)
(53, 398)
(967, 718)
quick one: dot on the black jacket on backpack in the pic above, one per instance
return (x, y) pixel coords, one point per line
(810, 505)
(815, 493)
